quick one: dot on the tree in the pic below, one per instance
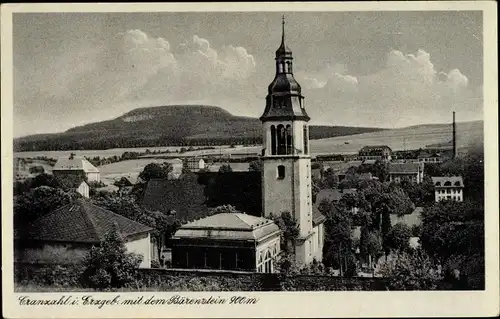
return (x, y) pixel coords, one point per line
(155, 170)
(398, 238)
(453, 234)
(45, 180)
(39, 202)
(338, 245)
(255, 166)
(37, 169)
(370, 245)
(411, 271)
(223, 209)
(289, 231)
(225, 168)
(110, 265)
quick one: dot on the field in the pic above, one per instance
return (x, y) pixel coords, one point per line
(398, 139)
(131, 169)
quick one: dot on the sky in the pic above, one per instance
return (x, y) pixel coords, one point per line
(383, 69)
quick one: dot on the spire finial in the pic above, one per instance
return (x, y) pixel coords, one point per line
(283, 28)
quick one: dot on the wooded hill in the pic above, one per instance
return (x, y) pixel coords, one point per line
(173, 125)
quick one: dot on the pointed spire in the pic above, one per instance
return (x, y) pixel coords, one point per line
(283, 49)
(282, 29)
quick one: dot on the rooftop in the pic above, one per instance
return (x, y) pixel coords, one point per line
(75, 163)
(409, 219)
(448, 181)
(332, 194)
(405, 168)
(81, 222)
(229, 226)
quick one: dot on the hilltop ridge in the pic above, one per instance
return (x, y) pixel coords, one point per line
(167, 125)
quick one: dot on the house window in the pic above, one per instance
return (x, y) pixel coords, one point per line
(281, 172)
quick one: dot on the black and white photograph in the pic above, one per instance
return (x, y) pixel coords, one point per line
(257, 151)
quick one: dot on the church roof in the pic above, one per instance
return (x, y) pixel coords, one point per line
(81, 222)
(229, 226)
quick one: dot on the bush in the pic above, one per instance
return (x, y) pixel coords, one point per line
(155, 264)
(110, 265)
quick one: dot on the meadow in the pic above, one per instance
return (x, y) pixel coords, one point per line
(414, 137)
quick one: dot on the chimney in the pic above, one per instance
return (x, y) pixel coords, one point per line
(454, 137)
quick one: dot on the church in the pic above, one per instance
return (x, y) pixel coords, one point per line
(285, 179)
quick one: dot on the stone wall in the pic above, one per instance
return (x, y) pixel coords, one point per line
(199, 280)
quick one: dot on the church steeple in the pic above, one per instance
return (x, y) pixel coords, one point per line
(284, 100)
(283, 50)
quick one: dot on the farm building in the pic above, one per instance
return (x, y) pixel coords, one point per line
(66, 235)
(412, 172)
(75, 165)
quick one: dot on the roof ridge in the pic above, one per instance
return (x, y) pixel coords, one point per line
(89, 218)
(238, 215)
(120, 216)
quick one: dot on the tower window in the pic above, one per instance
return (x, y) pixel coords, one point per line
(281, 140)
(306, 140)
(273, 140)
(281, 172)
(289, 139)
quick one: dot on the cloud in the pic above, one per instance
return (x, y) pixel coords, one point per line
(133, 68)
(406, 90)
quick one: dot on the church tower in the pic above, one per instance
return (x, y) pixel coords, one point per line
(286, 172)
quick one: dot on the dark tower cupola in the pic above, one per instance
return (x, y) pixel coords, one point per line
(284, 100)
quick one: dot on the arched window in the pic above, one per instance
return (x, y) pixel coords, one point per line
(457, 183)
(438, 183)
(289, 67)
(289, 139)
(273, 140)
(280, 67)
(306, 140)
(281, 140)
(281, 172)
(447, 183)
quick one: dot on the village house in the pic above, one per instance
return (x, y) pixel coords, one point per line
(426, 157)
(448, 188)
(334, 196)
(229, 241)
(66, 235)
(73, 165)
(375, 152)
(195, 164)
(75, 183)
(411, 172)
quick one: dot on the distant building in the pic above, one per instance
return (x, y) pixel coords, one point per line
(334, 195)
(194, 164)
(229, 241)
(448, 188)
(427, 157)
(377, 152)
(75, 183)
(412, 172)
(76, 165)
(340, 168)
(66, 235)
